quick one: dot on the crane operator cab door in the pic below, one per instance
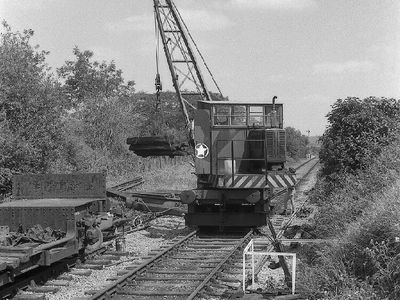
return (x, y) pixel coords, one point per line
(240, 151)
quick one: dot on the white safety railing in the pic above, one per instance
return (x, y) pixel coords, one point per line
(249, 250)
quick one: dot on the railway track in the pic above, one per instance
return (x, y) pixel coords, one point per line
(282, 222)
(43, 274)
(210, 266)
(193, 267)
(314, 159)
(304, 173)
(55, 276)
(184, 270)
(299, 171)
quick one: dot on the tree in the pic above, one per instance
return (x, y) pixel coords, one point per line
(86, 79)
(30, 105)
(357, 131)
(296, 143)
(100, 100)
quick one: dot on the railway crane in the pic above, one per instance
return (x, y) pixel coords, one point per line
(239, 147)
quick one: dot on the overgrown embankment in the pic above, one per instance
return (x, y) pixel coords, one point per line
(358, 200)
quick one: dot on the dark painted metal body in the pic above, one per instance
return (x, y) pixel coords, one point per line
(240, 156)
(66, 203)
(239, 137)
(54, 213)
(59, 186)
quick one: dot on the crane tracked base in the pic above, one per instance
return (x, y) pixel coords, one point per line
(157, 146)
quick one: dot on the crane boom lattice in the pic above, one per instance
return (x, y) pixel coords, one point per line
(187, 78)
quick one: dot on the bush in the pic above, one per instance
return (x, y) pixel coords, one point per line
(30, 107)
(296, 143)
(343, 197)
(361, 211)
(357, 132)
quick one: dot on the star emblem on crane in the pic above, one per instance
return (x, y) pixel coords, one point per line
(202, 150)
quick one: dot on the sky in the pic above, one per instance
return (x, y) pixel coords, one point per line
(307, 52)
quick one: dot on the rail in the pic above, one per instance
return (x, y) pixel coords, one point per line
(108, 291)
(281, 192)
(197, 260)
(218, 267)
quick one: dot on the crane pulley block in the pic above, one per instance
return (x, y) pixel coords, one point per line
(157, 83)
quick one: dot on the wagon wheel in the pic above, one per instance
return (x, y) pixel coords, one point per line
(97, 237)
(137, 221)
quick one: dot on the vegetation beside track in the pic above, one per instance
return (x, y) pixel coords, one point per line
(358, 200)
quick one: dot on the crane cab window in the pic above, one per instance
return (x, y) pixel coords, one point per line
(247, 115)
(256, 116)
(240, 156)
(221, 115)
(238, 116)
(230, 115)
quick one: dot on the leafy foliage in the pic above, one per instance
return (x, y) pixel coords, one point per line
(86, 79)
(296, 143)
(164, 118)
(30, 106)
(357, 132)
(100, 106)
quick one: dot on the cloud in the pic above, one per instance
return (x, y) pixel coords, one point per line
(350, 66)
(196, 19)
(272, 4)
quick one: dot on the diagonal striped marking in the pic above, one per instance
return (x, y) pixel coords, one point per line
(240, 181)
(262, 182)
(291, 179)
(259, 180)
(287, 180)
(279, 179)
(235, 179)
(249, 182)
(271, 182)
(276, 181)
(229, 181)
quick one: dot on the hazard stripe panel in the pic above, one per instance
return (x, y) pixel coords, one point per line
(257, 181)
(281, 180)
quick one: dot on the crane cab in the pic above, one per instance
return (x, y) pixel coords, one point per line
(240, 152)
(241, 138)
